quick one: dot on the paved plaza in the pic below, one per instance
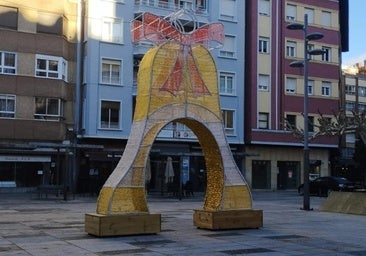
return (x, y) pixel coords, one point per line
(30, 226)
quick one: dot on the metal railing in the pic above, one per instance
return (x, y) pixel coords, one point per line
(173, 5)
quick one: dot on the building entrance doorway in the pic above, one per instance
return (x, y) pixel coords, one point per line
(288, 175)
(261, 174)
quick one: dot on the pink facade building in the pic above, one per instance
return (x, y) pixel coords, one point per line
(275, 91)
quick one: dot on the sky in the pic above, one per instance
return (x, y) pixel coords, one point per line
(357, 34)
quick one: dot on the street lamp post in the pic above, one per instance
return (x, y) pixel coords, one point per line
(304, 64)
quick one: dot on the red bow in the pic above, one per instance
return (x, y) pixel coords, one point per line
(159, 31)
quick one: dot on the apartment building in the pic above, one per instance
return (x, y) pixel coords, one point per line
(37, 80)
(349, 162)
(108, 95)
(275, 91)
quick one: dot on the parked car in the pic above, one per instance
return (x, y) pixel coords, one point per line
(322, 186)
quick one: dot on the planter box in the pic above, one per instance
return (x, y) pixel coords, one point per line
(231, 219)
(120, 225)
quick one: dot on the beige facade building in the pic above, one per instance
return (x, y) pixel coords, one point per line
(37, 84)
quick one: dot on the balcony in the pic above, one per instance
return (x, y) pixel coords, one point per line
(197, 6)
(176, 131)
(141, 48)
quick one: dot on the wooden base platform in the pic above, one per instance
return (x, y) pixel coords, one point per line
(345, 202)
(121, 225)
(231, 219)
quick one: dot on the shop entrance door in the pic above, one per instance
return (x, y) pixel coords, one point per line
(288, 176)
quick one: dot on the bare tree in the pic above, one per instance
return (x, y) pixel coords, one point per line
(344, 124)
(339, 125)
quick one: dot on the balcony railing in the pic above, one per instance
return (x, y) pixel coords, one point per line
(198, 7)
(179, 131)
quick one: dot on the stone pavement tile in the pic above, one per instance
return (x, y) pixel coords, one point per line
(14, 253)
(68, 233)
(54, 248)
(14, 228)
(31, 240)
(103, 245)
(4, 242)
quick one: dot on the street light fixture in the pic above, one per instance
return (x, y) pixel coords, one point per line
(304, 64)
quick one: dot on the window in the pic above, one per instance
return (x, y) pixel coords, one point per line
(350, 106)
(111, 71)
(165, 4)
(290, 85)
(361, 107)
(311, 87)
(326, 86)
(350, 89)
(290, 122)
(201, 6)
(186, 4)
(8, 17)
(264, 8)
(263, 45)
(351, 138)
(263, 82)
(291, 49)
(310, 13)
(228, 118)
(348, 152)
(109, 114)
(310, 123)
(228, 9)
(149, 2)
(227, 83)
(327, 54)
(7, 106)
(48, 108)
(7, 63)
(291, 12)
(362, 91)
(228, 49)
(310, 48)
(326, 19)
(112, 30)
(263, 119)
(51, 67)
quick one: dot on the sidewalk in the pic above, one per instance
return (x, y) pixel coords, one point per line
(55, 227)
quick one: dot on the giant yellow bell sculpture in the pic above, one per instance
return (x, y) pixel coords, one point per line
(177, 81)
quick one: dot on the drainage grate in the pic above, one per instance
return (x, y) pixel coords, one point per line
(5, 249)
(168, 230)
(151, 242)
(24, 235)
(286, 237)
(247, 251)
(36, 210)
(223, 234)
(127, 252)
(8, 222)
(78, 237)
(357, 253)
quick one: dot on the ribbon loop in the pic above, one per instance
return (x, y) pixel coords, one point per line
(158, 30)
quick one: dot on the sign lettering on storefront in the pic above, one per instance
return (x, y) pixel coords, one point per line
(25, 159)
